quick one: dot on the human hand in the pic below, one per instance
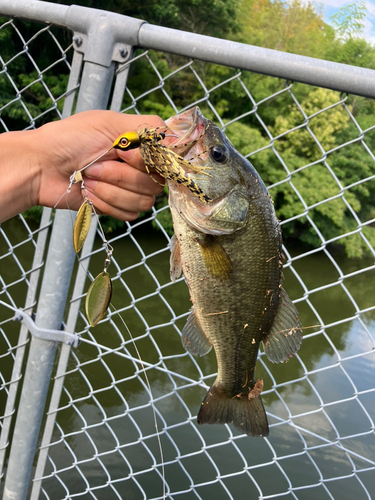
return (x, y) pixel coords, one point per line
(121, 190)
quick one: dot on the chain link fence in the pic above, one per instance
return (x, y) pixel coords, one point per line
(120, 420)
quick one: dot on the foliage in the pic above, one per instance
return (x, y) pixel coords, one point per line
(313, 180)
(164, 217)
(34, 213)
(293, 26)
(305, 165)
(348, 19)
(208, 17)
(28, 94)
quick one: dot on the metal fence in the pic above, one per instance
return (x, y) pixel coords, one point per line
(94, 430)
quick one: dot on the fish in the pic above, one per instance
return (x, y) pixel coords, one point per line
(230, 252)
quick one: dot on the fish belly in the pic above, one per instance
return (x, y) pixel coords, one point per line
(233, 313)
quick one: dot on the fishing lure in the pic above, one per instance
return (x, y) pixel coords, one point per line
(156, 156)
(162, 159)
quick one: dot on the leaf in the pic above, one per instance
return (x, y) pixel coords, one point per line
(98, 298)
(82, 225)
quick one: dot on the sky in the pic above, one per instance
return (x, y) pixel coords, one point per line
(332, 6)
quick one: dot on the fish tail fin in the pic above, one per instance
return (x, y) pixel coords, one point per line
(245, 413)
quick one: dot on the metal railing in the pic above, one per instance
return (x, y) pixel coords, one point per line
(98, 436)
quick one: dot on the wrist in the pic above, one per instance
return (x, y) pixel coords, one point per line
(20, 170)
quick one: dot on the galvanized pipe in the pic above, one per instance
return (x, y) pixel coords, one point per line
(54, 290)
(62, 366)
(99, 25)
(103, 31)
(18, 362)
(335, 76)
(94, 93)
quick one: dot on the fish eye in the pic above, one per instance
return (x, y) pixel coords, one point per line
(218, 154)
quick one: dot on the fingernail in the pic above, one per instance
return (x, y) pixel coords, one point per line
(94, 171)
(90, 184)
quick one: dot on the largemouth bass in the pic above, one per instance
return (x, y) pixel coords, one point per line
(230, 253)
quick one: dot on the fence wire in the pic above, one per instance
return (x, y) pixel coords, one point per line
(110, 419)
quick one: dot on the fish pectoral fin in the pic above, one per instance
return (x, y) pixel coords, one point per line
(175, 260)
(193, 339)
(285, 336)
(216, 259)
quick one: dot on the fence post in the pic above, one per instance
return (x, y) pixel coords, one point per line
(117, 96)
(94, 94)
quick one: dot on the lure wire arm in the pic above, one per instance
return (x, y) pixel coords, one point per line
(96, 159)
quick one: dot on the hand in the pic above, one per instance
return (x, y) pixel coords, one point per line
(121, 190)
(36, 166)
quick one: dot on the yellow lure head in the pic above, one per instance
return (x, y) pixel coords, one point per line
(126, 141)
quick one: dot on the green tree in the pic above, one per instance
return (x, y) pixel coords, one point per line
(312, 183)
(207, 17)
(348, 19)
(292, 26)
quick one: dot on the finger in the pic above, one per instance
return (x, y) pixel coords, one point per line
(123, 176)
(97, 131)
(135, 122)
(107, 209)
(104, 208)
(121, 199)
(121, 122)
(133, 158)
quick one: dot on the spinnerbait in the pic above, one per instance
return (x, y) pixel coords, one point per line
(156, 156)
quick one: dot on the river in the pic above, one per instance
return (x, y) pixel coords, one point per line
(321, 404)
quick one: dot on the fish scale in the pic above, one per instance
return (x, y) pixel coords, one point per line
(249, 251)
(230, 251)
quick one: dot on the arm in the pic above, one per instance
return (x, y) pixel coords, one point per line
(36, 166)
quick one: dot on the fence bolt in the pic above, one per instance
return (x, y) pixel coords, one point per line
(123, 52)
(78, 40)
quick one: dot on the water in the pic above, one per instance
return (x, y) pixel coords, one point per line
(327, 392)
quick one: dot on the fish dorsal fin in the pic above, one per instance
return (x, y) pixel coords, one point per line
(216, 259)
(285, 336)
(175, 260)
(193, 339)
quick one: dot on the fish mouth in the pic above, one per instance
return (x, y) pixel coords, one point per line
(189, 127)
